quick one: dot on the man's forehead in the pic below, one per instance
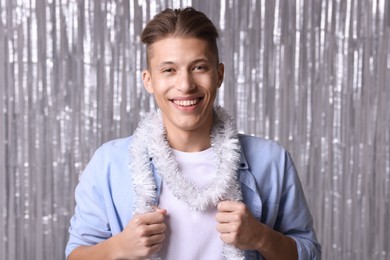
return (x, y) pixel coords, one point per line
(173, 62)
(173, 49)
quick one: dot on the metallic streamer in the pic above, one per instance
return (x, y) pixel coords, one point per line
(313, 75)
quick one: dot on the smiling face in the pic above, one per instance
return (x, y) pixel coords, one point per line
(184, 76)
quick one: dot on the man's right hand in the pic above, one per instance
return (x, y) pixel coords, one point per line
(142, 237)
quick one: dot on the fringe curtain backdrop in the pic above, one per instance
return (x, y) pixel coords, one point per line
(313, 75)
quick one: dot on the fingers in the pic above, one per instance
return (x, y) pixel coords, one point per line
(229, 238)
(228, 233)
(147, 225)
(227, 228)
(237, 226)
(154, 229)
(149, 218)
(230, 206)
(223, 217)
(148, 230)
(149, 241)
(230, 211)
(144, 234)
(230, 217)
(160, 210)
(149, 251)
(148, 246)
(156, 239)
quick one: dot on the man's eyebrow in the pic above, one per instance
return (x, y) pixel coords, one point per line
(200, 60)
(164, 63)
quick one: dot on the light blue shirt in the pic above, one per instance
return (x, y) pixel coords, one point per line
(269, 182)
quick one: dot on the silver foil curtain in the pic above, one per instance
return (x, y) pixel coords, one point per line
(313, 75)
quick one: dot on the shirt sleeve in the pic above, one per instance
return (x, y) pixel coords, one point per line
(294, 218)
(89, 224)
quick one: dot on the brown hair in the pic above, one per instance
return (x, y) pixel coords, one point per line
(185, 23)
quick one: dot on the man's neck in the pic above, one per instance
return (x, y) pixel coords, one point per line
(189, 141)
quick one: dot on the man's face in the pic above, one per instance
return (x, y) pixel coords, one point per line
(184, 77)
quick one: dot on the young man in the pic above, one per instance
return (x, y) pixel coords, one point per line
(186, 185)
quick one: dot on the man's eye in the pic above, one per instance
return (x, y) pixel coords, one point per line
(167, 70)
(200, 68)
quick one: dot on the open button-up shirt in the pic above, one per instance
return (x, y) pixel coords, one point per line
(269, 183)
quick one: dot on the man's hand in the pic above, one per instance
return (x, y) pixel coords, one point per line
(240, 228)
(143, 236)
(237, 225)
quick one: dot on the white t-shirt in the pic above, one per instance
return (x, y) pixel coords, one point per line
(191, 234)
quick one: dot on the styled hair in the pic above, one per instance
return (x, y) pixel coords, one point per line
(185, 23)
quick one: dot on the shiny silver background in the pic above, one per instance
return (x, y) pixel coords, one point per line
(313, 75)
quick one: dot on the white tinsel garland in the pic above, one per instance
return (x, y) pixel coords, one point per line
(149, 141)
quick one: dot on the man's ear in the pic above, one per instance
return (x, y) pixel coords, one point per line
(147, 79)
(221, 73)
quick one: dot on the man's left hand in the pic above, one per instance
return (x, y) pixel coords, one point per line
(238, 226)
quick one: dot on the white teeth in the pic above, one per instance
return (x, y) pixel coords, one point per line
(186, 103)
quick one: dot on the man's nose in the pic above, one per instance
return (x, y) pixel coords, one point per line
(185, 82)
